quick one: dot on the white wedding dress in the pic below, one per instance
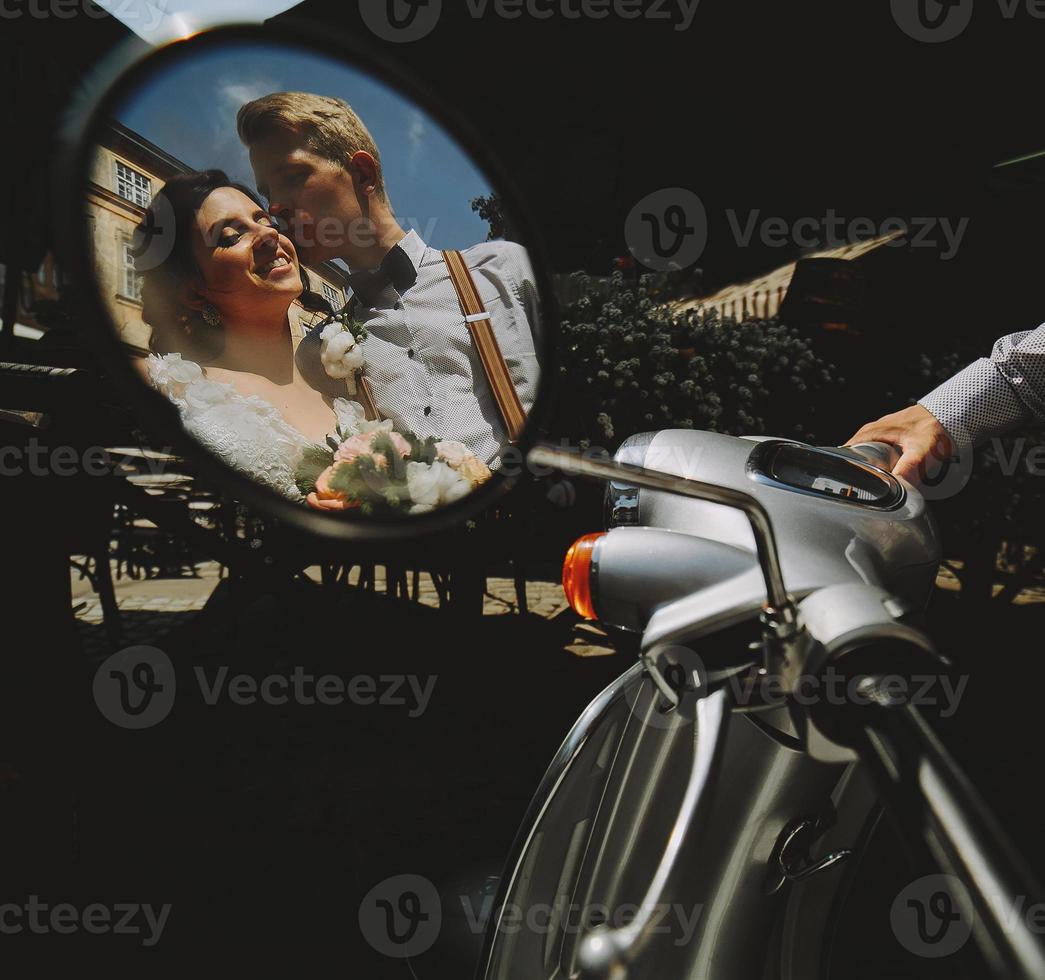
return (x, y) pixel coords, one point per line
(244, 431)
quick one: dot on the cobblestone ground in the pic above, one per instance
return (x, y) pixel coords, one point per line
(151, 607)
(948, 581)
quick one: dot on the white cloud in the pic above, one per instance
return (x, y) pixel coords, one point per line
(415, 137)
(225, 149)
(236, 93)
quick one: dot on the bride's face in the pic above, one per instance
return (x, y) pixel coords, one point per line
(246, 264)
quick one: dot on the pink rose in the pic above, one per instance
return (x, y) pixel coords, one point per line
(362, 445)
(452, 452)
(325, 498)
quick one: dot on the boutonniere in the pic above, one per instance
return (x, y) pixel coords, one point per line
(340, 350)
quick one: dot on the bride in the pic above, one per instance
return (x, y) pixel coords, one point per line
(218, 305)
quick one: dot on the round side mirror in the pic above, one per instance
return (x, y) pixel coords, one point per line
(312, 281)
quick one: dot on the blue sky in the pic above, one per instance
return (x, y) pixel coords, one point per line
(190, 111)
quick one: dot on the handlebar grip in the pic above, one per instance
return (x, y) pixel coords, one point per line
(884, 455)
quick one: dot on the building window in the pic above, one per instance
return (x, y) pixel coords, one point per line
(133, 186)
(130, 280)
(333, 296)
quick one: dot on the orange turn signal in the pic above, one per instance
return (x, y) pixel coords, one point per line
(576, 575)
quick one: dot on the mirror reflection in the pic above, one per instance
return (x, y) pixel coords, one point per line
(318, 277)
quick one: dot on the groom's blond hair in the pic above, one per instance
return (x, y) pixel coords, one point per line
(329, 126)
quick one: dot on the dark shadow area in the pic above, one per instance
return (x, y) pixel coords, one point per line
(264, 825)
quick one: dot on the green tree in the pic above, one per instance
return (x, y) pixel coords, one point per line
(491, 210)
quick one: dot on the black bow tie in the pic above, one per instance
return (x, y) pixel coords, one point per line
(396, 268)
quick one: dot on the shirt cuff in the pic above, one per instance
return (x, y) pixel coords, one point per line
(975, 404)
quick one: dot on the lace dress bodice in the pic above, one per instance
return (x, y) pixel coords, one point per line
(244, 431)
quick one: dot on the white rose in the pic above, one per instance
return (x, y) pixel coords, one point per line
(372, 425)
(454, 487)
(433, 485)
(422, 483)
(350, 416)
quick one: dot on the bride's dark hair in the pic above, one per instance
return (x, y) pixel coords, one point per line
(173, 211)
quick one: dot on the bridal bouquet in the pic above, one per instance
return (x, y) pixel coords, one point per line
(371, 467)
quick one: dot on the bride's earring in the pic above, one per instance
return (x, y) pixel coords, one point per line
(211, 315)
(185, 325)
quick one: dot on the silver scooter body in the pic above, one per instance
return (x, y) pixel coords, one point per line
(753, 885)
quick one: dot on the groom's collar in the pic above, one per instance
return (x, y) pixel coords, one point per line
(414, 247)
(398, 269)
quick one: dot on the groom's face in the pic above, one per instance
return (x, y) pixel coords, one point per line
(318, 199)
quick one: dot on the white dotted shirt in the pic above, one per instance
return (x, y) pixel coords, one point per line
(994, 393)
(424, 371)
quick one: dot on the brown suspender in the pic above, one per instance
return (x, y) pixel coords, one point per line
(489, 350)
(366, 396)
(363, 390)
(486, 345)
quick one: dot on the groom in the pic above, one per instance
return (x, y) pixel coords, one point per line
(318, 167)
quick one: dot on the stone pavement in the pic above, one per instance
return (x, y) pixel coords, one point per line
(151, 607)
(949, 582)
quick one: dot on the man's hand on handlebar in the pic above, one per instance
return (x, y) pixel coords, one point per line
(917, 433)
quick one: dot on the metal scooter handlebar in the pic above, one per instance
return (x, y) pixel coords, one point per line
(925, 792)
